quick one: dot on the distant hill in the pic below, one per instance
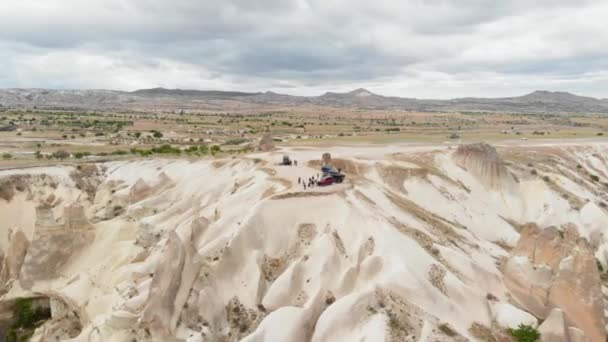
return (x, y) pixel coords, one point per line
(191, 93)
(176, 99)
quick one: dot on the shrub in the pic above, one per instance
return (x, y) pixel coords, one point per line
(61, 154)
(166, 149)
(192, 149)
(157, 134)
(599, 266)
(24, 313)
(215, 149)
(447, 330)
(7, 156)
(235, 141)
(525, 333)
(594, 178)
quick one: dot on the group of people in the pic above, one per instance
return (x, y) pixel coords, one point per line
(310, 182)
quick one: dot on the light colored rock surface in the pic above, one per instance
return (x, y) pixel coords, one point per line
(508, 316)
(557, 269)
(55, 243)
(18, 246)
(483, 161)
(577, 335)
(553, 328)
(411, 246)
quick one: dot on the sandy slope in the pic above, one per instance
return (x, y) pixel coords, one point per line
(411, 247)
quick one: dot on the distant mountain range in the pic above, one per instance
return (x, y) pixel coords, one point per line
(161, 99)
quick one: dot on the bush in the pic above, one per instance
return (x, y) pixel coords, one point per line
(446, 329)
(215, 149)
(157, 134)
(7, 156)
(192, 149)
(61, 154)
(525, 333)
(235, 141)
(23, 313)
(81, 154)
(594, 178)
(166, 149)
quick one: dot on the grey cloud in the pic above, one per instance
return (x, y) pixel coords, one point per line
(413, 46)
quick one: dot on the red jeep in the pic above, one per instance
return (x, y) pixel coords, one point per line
(326, 180)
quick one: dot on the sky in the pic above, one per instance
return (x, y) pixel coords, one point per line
(407, 48)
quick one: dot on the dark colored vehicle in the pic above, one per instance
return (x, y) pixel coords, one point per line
(337, 176)
(286, 161)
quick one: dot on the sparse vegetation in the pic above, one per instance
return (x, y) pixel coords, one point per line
(525, 333)
(446, 329)
(26, 319)
(61, 154)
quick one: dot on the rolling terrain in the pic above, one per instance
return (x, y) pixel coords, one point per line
(159, 99)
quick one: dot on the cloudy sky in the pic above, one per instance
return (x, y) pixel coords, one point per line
(410, 48)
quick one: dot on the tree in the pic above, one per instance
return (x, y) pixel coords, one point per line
(61, 154)
(525, 333)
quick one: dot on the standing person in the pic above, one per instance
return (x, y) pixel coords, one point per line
(304, 186)
(299, 180)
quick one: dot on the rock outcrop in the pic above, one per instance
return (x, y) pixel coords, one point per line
(483, 162)
(172, 280)
(551, 268)
(553, 328)
(13, 260)
(55, 242)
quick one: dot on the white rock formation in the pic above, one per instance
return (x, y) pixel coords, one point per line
(419, 243)
(553, 328)
(557, 269)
